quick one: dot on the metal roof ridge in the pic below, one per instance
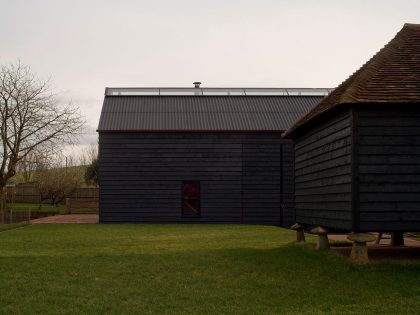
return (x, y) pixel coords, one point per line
(202, 91)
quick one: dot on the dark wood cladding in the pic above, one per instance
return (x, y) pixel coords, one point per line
(287, 186)
(360, 170)
(243, 177)
(389, 166)
(323, 174)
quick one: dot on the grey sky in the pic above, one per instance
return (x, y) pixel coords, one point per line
(87, 45)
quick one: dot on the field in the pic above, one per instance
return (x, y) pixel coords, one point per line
(191, 269)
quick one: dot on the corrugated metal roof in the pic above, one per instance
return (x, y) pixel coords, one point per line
(391, 76)
(204, 113)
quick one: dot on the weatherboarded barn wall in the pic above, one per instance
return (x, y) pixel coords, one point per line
(360, 170)
(389, 167)
(244, 177)
(323, 174)
(157, 151)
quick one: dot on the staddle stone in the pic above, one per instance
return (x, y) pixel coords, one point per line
(359, 251)
(300, 234)
(297, 226)
(323, 243)
(361, 237)
(319, 230)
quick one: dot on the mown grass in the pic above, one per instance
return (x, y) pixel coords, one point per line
(36, 207)
(191, 269)
(44, 208)
(5, 227)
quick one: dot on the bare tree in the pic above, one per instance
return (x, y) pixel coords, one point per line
(28, 165)
(56, 182)
(88, 154)
(30, 118)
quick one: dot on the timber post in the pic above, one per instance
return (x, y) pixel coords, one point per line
(397, 239)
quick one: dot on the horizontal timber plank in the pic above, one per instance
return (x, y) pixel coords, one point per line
(324, 166)
(328, 173)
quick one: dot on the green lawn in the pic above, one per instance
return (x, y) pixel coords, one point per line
(60, 209)
(4, 227)
(190, 269)
(35, 207)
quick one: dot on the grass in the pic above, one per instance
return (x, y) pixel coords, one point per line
(191, 269)
(60, 209)
(35, 207)
(5, 227)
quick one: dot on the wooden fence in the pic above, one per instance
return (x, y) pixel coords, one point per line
(82, 205)
(29, 193)
(84, 200)
(86, 193)
(12, 217)
(25, 193)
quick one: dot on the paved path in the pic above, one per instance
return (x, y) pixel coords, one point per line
(68, 219)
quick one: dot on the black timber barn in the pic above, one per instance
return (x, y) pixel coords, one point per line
(357, 153)
(207, 155)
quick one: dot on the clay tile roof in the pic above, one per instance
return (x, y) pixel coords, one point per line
(391, 76)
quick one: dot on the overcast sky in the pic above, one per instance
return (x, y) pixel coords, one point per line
(86, 45)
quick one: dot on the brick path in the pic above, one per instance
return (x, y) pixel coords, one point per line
(68, 219)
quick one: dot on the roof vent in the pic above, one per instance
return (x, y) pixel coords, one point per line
(197, 85)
